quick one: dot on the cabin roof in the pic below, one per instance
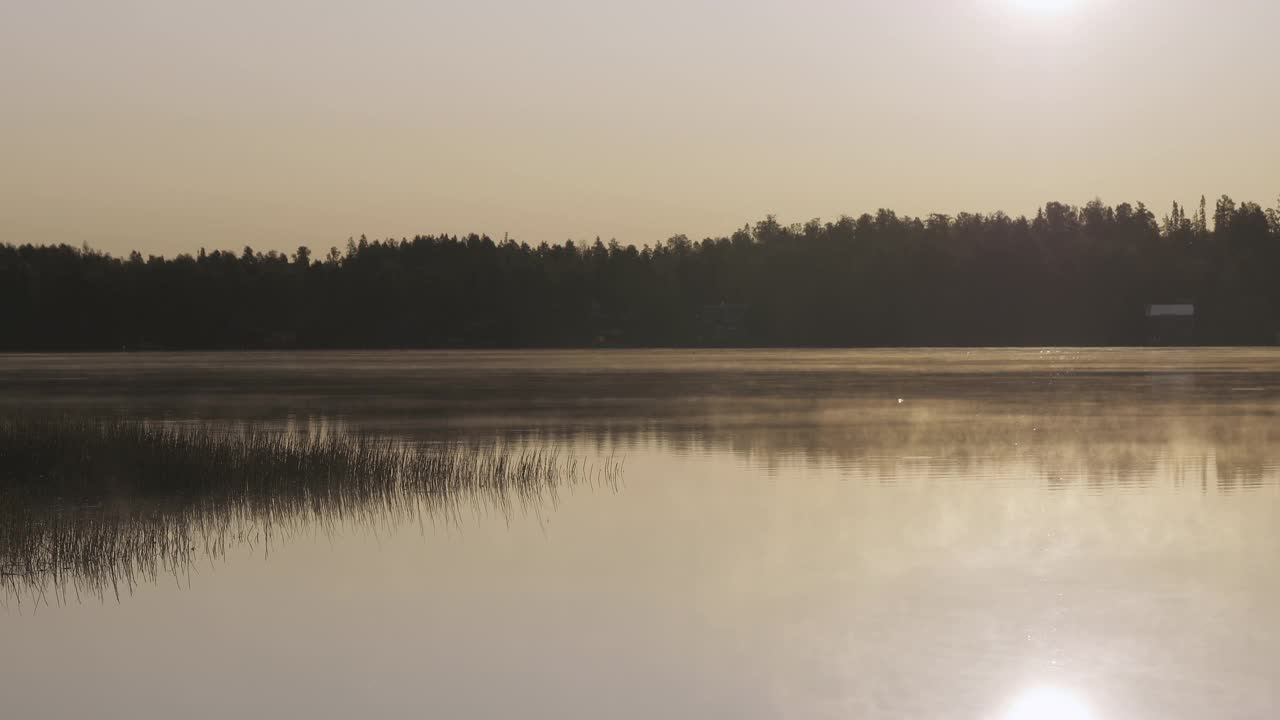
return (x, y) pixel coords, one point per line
(1174, 310)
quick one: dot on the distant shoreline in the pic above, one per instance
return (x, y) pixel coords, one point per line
(1089, 276)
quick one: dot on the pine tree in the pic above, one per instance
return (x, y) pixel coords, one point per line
(1175, 220)
(1222, 213)
(1202, 220)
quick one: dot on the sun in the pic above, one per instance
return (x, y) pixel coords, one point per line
(1048, 703)
(1044, 7)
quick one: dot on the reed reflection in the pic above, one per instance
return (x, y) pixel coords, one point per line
(94, 506)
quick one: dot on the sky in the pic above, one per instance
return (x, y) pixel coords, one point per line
(166, 126)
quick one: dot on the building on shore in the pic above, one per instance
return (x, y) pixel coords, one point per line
(1171, 324)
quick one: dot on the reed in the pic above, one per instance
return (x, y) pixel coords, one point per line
(95, 506)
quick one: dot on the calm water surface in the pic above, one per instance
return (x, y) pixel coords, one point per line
(1005, 534)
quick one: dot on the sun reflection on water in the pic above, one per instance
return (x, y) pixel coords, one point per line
(1048, 703)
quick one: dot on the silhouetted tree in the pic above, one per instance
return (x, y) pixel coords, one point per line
(1069, 275)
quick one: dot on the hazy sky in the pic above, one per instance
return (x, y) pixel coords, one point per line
(167, 125)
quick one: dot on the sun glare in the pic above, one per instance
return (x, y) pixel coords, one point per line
(1044, 7)
(1048, 703)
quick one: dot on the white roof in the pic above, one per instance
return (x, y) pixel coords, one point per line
(1182, 310)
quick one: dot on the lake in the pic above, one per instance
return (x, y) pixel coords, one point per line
(1006, 534)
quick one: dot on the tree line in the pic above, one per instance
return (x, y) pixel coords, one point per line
(1068, 276)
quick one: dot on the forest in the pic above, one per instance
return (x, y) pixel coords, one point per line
(1069, 276)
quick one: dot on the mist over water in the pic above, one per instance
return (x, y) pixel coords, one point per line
(923, 534)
